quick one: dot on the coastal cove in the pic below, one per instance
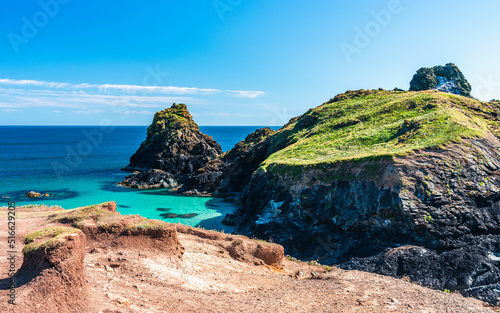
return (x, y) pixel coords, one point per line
(77, 167)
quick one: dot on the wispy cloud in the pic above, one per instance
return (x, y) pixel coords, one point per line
(88, 112)
(246, 94)
(27, 82)
(130, 89)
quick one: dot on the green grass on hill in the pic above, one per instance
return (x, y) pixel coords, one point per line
(367, 124)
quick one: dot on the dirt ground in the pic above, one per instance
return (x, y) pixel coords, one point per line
(208, 279)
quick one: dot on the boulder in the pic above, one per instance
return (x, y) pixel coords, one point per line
(150, 180)
(34, 194)
(446, 78)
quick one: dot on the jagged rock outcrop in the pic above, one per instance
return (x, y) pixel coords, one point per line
(174, 144)
(446, 78)
(229, 172)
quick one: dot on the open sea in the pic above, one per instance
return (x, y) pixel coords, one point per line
(81, 165)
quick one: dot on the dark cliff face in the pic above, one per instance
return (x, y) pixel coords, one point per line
(231, 171)
(174, 144)
(433, 216)
(446, 78)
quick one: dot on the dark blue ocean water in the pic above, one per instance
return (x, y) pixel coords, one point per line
(81, 165)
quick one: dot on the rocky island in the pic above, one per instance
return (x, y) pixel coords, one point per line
(399, 183)
(173, 150)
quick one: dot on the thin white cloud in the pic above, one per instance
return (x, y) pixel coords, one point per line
(88, 112)
(27, 82)
(246, 94)
(156, 89)
(11, 110)
(107, 88)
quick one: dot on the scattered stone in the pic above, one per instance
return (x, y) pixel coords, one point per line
(95, 250)
(114, 265)
(138, 288)
(297, 274)
(123, 302)
(394, 301)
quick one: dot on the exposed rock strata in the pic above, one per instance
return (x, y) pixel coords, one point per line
(433, 216)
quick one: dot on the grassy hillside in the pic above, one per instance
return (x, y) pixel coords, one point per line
(378, 123)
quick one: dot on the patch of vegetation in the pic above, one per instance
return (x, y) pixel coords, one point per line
(171, 119)
(428, 218)
(373, 124)
(76, 217)
(48, 237)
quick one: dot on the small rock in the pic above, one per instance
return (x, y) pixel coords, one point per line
(95, 250)
(137, 287)
(114, 265)
(394, 300)
(123, 302)
(33, 194)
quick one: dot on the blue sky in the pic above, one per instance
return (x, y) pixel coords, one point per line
(233, 62)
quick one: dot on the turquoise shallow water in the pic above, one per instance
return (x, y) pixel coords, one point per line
(80, 166)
